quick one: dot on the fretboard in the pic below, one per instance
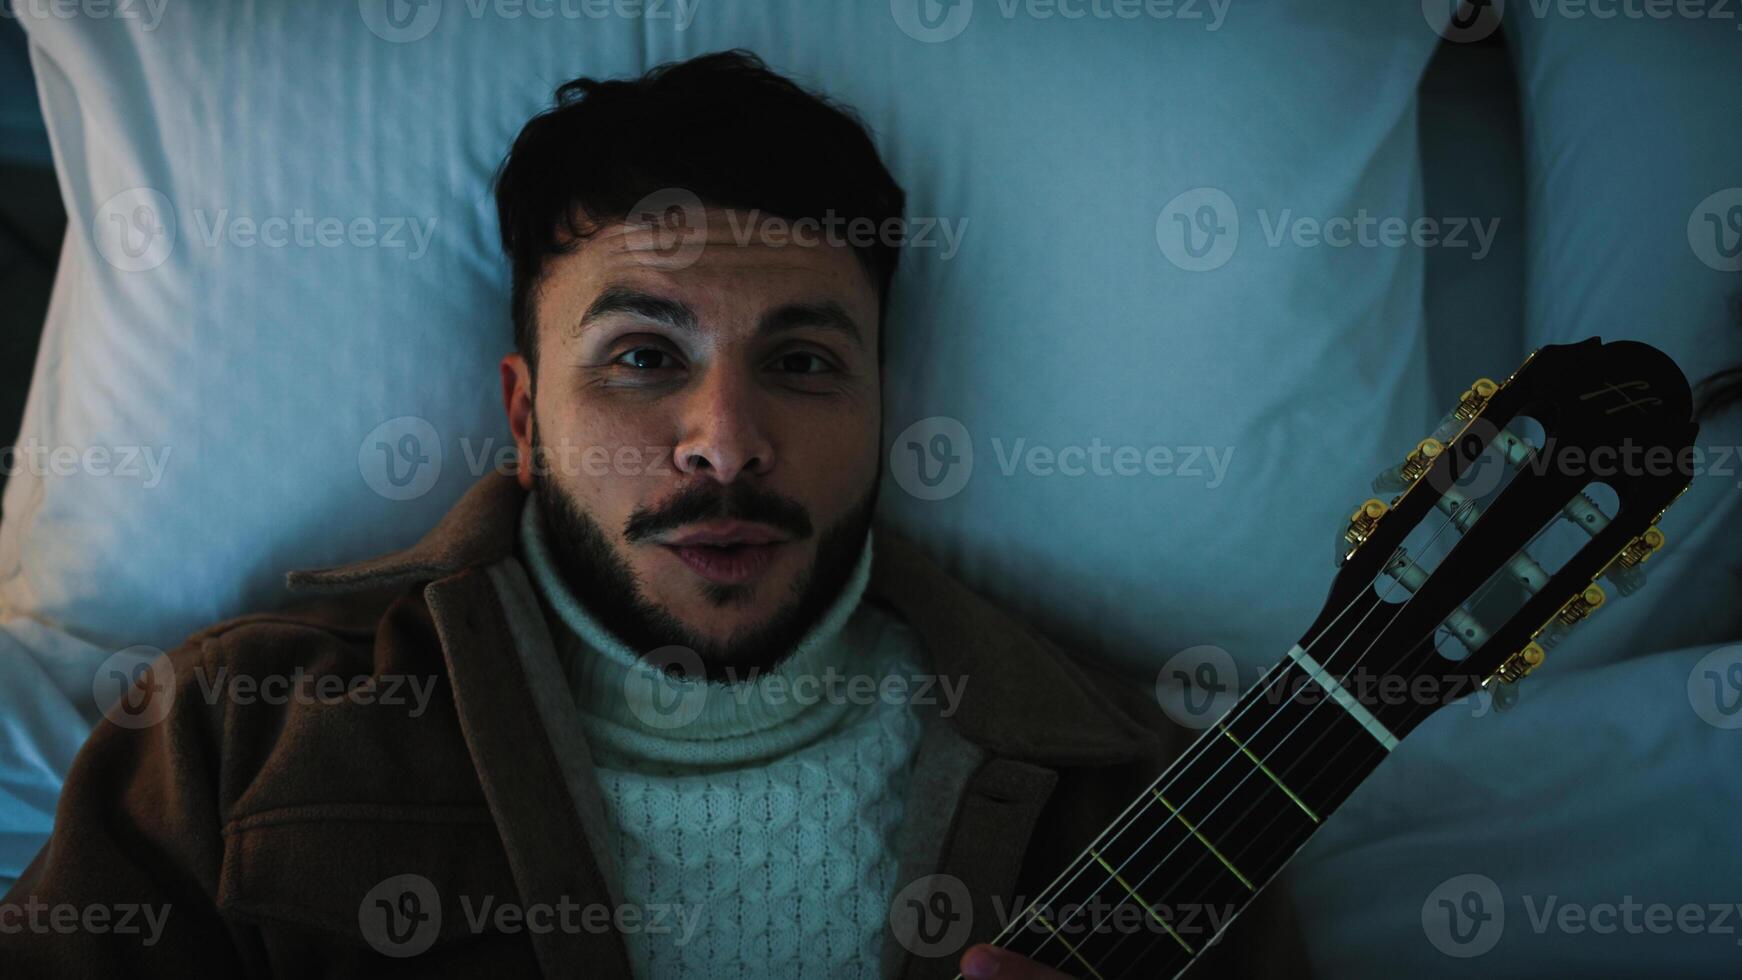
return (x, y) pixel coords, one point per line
(1148, 896)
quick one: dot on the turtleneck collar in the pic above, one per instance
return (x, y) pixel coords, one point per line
(638, 712)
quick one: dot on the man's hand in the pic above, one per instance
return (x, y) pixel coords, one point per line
(983, 961)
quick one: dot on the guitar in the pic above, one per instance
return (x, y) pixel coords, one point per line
(1532, 501)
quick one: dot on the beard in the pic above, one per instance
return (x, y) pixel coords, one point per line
(604, 584)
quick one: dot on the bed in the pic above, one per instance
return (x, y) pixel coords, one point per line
(242, 376)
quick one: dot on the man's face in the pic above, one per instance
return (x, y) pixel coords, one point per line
(704, 434)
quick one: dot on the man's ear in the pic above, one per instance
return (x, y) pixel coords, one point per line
(517, 402)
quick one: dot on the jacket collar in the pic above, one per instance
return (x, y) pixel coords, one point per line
(477, 530)
(1021, 697)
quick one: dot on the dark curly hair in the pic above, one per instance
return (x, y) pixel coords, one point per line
(722, 127)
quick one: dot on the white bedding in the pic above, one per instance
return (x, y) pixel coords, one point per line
(257, 375)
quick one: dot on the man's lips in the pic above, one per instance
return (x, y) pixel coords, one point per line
(730, 565)
(725, 533)
(727, 552)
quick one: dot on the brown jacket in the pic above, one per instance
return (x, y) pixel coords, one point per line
(281, 832)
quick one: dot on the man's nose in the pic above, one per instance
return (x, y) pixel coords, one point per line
(721, 432)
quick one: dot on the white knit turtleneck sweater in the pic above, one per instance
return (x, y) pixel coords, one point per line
(757, 819)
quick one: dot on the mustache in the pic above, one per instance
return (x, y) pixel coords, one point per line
(710, 501)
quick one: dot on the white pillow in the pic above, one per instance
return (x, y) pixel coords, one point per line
(217, 376)
(1613, 781)
(1631, 151)
(1603, 788)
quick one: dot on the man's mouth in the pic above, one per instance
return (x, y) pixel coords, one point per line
(727, 552)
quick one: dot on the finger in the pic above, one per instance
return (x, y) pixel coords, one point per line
(983, 962)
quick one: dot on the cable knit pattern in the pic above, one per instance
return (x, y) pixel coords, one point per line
(765, 811)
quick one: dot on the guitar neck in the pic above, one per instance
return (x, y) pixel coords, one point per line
(1161, 883)
(1191, 852)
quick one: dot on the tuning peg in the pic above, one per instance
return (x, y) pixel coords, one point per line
(1470, 404)
(1516, 667)
(1390, 481)
(1420, 459)
(1474, 399)
(1521, 663)
(1361, 524)
(1581, 605)
(1505, 696)
(1624, 571)
(1399, 478)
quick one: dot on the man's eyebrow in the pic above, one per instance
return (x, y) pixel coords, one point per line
(823, 314)
(645, 306)
(826, 314)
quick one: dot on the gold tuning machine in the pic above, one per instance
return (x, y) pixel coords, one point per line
(1362, 523)
(1421, 458)
(1520, 664)
(1474, 398)
(1400, 479)
(1636, 550)
(1581, 605)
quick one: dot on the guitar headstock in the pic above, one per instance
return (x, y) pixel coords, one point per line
(1448, 575)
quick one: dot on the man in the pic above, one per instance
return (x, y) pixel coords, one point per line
(641, 742)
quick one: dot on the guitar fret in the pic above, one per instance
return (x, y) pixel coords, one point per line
(1205, 840)
(1266, 770)
(1069, 946)
(1316, 755)
(1218, 840)
(1141, 901)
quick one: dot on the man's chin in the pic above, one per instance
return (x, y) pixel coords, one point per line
(652, 601)
(728, 624)
(706, 621)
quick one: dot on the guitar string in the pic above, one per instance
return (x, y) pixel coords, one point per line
(1479, 596)
(1053, 931)
(1487, 588)
(1027, 917)
(1363, 752)
(1148, 798)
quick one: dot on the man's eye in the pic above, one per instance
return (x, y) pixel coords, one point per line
(645, 359)
(802, 362)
